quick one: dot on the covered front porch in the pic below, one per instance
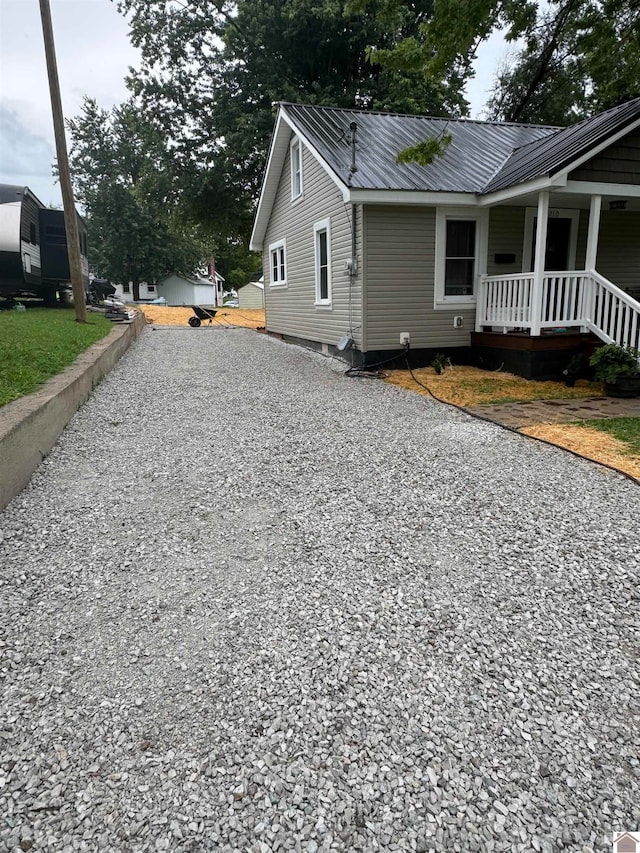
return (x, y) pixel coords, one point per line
(553, 304)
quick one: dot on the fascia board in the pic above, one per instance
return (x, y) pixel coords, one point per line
(277, 155)
(536, 185)
(361, 196)
(601, 188)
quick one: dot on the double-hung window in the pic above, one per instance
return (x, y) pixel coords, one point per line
(460, 255)
(322, 239)
(278, 264)
(296, 168)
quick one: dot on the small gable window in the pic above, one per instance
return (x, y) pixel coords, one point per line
(296, 168)
(278, 264)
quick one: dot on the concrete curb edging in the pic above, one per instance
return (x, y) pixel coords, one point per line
(30, 426)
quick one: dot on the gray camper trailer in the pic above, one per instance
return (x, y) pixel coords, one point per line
(53, 243)
(20, 265)
(33, 246)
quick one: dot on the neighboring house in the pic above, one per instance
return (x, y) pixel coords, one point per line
(33, 246)
(179, 290)
(507, 249)
(192, 290)
(252, 294)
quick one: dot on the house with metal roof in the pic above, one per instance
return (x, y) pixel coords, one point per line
(518, 245)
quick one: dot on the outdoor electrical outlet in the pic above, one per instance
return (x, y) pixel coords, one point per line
(405, 339)
(457, 322)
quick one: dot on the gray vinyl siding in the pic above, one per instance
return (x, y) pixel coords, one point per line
(619, 248)
(400, 268)
(617, 164)
(506, 236)
(290, 310)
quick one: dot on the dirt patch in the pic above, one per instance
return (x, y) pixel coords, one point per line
(470, 386)
(588, 442)
(161, 315)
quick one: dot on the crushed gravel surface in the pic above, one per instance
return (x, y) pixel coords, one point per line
(250, 604)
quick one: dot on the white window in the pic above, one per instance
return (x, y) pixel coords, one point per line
(322, 238)
(296, 168)
(278, 264)
(461, 255)
(126, 288)
(151, 288)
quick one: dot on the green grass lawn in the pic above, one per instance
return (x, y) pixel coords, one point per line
(626, 430)
(40, 342)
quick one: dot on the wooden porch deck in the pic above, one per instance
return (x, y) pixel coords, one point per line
(541, 357)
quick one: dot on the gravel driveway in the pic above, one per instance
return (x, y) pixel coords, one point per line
(250, 604)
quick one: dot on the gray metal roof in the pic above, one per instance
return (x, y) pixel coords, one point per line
(477, 151)
(482, 157)
(552, 153)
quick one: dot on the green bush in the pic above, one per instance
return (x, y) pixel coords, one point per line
(612, 362)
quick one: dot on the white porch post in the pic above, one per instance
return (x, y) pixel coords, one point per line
(594, 230)
(588, 289)
(538, 263)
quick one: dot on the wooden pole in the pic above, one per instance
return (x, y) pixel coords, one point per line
(70, 216)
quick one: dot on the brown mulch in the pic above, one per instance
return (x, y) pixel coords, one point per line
(592, 443)
(470, 386)
(161, 315)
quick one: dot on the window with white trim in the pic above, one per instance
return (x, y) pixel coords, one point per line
(461, 249)
(322, 241)
(278, 264)
(296, 168)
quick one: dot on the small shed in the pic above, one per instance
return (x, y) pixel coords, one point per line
(190, 290)
(251, 295)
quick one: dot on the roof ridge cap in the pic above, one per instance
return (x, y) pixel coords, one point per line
(461, 119)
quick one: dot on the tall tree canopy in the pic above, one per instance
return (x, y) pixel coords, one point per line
(580, 57)
(574, 57)
(129, 192)
(211, 73)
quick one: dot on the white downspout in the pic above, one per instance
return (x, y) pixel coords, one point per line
(538, 264)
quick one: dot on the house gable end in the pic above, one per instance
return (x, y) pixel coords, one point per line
(279, 152)
(617, 164)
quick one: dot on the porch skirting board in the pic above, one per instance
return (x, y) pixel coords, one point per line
(542, 358)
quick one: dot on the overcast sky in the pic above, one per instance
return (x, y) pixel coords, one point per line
(94, 55)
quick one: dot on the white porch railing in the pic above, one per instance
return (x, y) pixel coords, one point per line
(570, 299)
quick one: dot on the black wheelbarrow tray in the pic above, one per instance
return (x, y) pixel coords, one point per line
(201, 314)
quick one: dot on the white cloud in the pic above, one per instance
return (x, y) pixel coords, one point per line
(93, 54)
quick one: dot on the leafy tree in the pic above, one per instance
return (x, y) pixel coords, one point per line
(581, 57)
(211, 72)
(130, 193)
(578, 56)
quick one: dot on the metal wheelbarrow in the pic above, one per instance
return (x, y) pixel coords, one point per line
(201, 314)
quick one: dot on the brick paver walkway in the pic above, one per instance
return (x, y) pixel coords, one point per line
(558, 411)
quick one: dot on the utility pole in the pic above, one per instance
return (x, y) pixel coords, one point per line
(70, 216)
